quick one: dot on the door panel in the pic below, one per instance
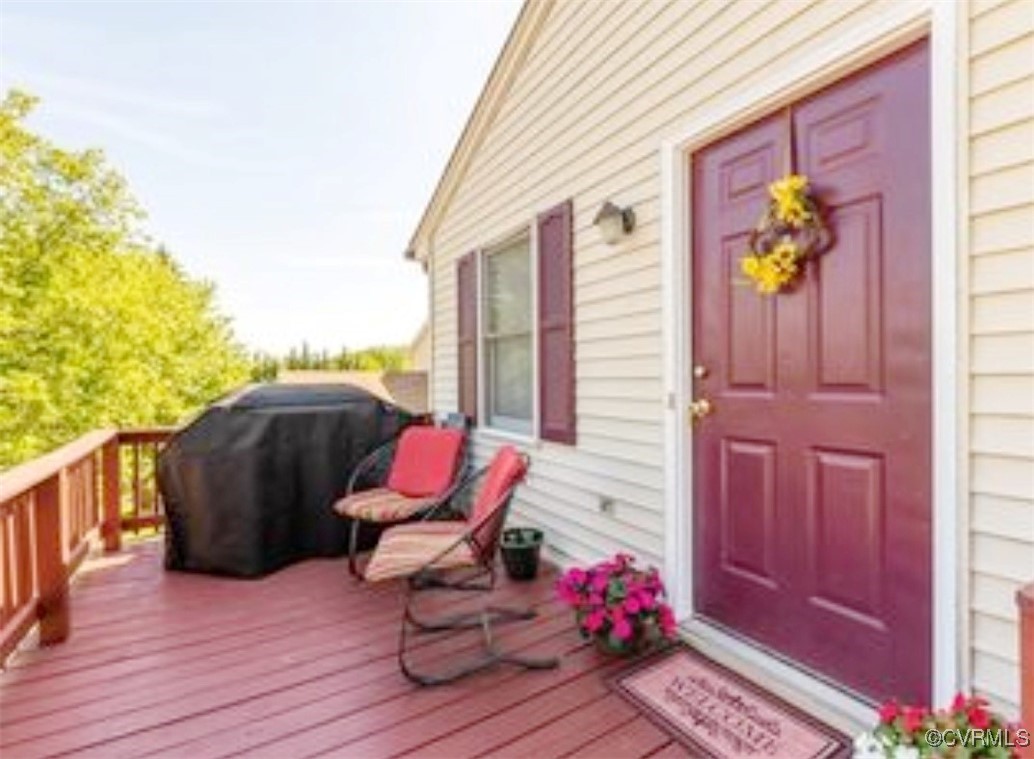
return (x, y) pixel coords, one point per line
(812, 475)
(846, 522)
(748, 510)
(751, 360)
(848, 338)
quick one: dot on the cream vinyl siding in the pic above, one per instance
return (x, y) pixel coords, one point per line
(1000, 124)
(601, 86)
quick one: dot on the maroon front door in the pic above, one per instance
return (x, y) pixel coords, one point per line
(813, 470)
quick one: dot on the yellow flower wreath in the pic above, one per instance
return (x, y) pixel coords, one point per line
(776, 257)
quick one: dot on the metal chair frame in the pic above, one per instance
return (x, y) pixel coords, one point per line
(483, 539)
(374, 467)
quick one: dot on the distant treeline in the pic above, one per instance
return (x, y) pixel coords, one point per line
(380, 358)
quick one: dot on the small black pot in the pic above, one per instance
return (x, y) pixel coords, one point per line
(520, 547)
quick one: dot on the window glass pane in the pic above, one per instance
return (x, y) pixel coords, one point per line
(508, 342)
(509, 383)
(508, 290)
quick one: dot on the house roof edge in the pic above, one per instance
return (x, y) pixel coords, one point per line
(507, 64)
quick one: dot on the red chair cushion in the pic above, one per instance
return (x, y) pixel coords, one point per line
(506, 470)
(425, 461)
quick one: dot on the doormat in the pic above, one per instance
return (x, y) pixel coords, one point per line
(714, 711)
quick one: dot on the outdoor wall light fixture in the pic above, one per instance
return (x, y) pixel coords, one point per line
(614, 222)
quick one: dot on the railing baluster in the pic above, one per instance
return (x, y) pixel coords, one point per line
(51, 577)
(154, 479)
(93, 493)
(22, 535)
(8, 570)
(69, 477)
(136, 486)
(111, 529)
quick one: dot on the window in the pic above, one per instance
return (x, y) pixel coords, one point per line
(515, 348)
(508, 337)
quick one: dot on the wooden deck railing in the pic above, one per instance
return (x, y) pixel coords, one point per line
(53, 507)
(141, 501)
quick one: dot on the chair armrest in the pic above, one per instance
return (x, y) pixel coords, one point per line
(462, 488)
(374, 465)
(470, 535)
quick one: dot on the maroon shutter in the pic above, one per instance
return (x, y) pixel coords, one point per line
(556, 324)
(467, 334)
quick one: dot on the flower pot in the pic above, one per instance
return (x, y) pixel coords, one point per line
(605, 644)
(521, 547)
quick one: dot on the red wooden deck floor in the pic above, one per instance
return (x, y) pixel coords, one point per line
(298, 664)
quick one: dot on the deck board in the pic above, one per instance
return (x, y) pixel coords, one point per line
(301, 663)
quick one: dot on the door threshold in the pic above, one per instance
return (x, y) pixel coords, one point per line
(841, 709)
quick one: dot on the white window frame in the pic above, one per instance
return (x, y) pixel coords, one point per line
(529, 231)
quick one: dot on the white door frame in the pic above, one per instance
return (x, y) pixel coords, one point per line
(895, 27)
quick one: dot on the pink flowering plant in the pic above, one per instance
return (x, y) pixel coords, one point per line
(966, 728)
(619, 605)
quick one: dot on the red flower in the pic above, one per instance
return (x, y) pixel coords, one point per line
(594, 621)
(912, 718)
(666, 619)
(889, 712)
(978, 717)
(958, 703)
(622, 629)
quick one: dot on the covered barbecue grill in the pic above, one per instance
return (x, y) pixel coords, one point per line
(248, 485)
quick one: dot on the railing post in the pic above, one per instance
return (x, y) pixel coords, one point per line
(1025, 600)
(52, 611)
(111, 528)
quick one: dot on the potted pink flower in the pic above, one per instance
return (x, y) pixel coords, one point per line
(617, 605)
(966, 728)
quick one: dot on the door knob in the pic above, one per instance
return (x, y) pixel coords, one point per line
(700, 408)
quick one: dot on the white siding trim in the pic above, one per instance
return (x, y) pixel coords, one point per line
(948, 614)
(865, 43)
(676, 306)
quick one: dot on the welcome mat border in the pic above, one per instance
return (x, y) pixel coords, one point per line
(842, 743)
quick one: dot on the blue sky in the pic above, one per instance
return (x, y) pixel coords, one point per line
(284, 150)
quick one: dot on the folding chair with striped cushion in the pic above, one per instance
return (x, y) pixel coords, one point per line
(412, 475)
(457, 555)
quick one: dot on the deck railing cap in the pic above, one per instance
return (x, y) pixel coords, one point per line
(22, 478)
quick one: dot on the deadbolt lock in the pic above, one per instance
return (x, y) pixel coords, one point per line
(699, 371)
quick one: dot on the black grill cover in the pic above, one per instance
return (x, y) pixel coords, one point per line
(248, 485)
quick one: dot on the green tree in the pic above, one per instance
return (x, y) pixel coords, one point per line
(379, 358)
(97, 326)
(264, 367)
